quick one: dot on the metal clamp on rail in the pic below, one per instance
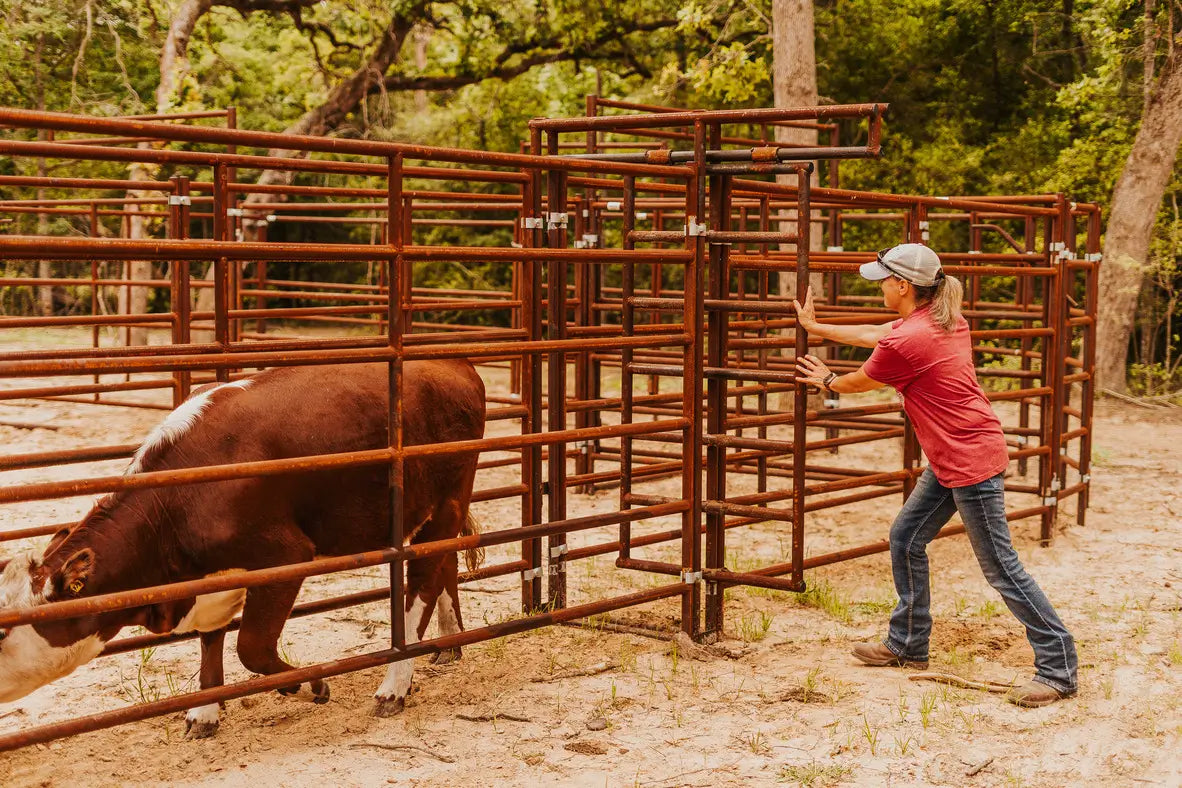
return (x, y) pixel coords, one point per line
(692, 228)
(531, 223)
(531, 574)
(1060, 250)
(236, 213)
(556, 221)
(557, 551)
(689, 578)
(1053, 498)
(180, 199)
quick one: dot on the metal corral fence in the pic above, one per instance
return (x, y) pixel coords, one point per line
(640, 317)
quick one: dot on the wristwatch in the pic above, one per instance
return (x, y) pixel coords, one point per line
(828, 381)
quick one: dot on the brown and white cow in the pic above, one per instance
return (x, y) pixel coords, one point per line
(140, 538)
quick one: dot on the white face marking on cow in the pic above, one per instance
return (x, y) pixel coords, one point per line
(399, 674)
(27, 660)
(178, 422)
(16, 583)
(445, 612)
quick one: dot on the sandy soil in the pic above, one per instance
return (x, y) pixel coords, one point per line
(787, 704)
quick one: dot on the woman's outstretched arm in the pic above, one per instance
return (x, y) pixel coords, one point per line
(813, 370)
(866, 335)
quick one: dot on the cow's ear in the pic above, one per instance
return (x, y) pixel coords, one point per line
(70, 581)
(57, 539)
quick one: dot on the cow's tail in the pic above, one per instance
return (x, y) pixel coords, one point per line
(473, 556)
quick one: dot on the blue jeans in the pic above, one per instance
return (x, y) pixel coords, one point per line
(982, 508)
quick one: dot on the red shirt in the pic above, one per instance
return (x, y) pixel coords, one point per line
(933, 372)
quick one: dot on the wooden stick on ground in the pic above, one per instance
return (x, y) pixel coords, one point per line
(491, 717)
(598, 667)
(960, 681)
(28, 425)
(412, 747)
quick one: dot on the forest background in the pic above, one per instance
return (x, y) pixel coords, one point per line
(987, 96)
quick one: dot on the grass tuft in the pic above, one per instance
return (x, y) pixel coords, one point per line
(815, 775)
(824, 597)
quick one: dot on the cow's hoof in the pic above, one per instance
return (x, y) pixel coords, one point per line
(202, 722)
(446, 656)
(389, 707)
(200, 730)
(314, 692)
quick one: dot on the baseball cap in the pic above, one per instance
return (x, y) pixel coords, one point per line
(914, 263)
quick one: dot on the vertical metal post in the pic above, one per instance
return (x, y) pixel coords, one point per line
(260, 278)
(916, 220)
(582, 361)
(556, 378)
(717, 321)
(1025, 289)
(627, 318)
(1056, 347)
(221, 278)
(691, 402)
(1088, 356)
(94, 292)
(395, 317)
(531, 386)
(801, 400)
(765, 219)
(182, 299)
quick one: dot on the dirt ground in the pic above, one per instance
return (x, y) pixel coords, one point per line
(784, 702)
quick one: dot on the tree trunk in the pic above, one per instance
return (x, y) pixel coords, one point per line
(794, 84)
(1135, 202)
(174, 67)
(422, 40)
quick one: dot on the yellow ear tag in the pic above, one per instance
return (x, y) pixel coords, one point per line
(76, 586)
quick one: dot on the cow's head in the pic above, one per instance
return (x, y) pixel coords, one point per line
(31, 656)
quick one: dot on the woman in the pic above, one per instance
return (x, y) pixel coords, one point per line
(927, 356)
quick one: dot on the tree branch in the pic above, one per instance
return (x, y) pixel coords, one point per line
(552, 50)
(246, 7)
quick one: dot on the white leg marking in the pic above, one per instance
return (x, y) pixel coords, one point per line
(445, 613)
(202, 715)
(399, 674)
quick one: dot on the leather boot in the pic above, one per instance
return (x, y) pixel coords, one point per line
(879, 656)
(1033, 694)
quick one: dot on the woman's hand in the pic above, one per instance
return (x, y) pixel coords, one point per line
(806, 314)
(812, 370)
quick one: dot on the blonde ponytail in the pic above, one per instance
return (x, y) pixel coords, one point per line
(945, 297)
